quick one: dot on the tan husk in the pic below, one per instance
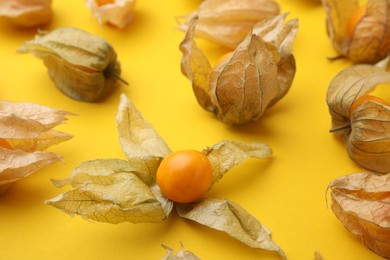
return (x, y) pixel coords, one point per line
(231, 218)
(115, 191)
(361, 201)
(82, 66)
(26, 13)
(180, 255)
(119, 13)
(26, 128)
(259, 72)
(365, 130)
(227, 22)
(370, 41)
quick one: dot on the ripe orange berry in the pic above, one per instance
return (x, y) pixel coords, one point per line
(362, 99)
(104, 2)
(5, 144)
(184, 176)
(223, 58)
(354, 19)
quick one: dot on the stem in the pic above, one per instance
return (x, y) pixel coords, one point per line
(339, 128)
(119, 78)
(336, 58)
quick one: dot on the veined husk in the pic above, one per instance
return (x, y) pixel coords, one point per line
(83, 66)
(370, 41)
(361, 201)
(26, 13)
(227, 22)
(366, 130)
(27, 128)
(119, 13)
(257, 75)
(115, 190)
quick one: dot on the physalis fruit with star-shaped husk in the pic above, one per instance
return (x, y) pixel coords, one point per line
(359, 32)
(361, 119)
(256, 75)
(83, 66)
(26, 13)
(227, 22)
(118, 13)
(26, 130)
(115, 190)
(361, 201)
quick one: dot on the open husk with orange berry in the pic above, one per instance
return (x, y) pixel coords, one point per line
(359, 32)
(362, 120)
(115, 190)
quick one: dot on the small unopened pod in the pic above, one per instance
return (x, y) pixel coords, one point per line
(257, 74)
(362, 120)
(83, 66)
(26, 13)
(227, 22)
(361, 202)
(359, 33)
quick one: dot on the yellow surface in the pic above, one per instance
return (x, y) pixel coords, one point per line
(286, 192)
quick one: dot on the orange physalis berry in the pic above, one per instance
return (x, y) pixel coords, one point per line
(354, 19)
(362, 99)
(184, 176)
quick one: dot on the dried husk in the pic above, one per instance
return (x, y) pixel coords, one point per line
(231, 218)
(257, 75)
(83, 66)
(120, 13)
(361, 201)
(115, 191)
(26, 13)
(370, 41)
(27, 129)
(227, 22)
(180, 255)
(366, 130)
(109, 190)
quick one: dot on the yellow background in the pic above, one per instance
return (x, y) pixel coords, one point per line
(286, 192)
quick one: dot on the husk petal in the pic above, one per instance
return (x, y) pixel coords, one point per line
(227, 22)
(225, 155)
(109, 190)
(229, 217)
(16, 164)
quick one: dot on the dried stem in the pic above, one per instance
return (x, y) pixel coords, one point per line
(339, 128)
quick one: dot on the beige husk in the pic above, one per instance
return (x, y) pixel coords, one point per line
(361, 201)
(27, 128)
(120, 13)
(259, 72)
(370, 41)
(26, 13)
(227, 22)
(365, 130)
(83, 66)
